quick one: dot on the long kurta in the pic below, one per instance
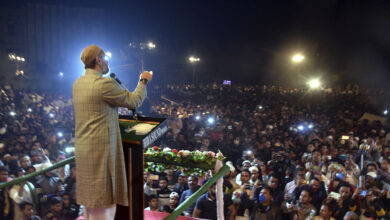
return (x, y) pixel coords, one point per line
(100, 164)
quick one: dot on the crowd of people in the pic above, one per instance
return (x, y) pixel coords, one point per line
(35, 132)
(293, 153)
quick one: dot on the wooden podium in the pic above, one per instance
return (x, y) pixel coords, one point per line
(134, 144)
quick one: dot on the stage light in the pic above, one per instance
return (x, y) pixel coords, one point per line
(193, 59)
(60, 134)
(297, 58)
(197, 117)
(210, 120)
(301, 127)
(385, 112)
(29, 110)
(314, 83)
(310, 126)
(12, 113)
(51, 115)
(260, 107)
(107, 56)
(151, 45)
(61, 74)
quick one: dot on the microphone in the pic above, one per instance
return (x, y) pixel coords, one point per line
(113, 76)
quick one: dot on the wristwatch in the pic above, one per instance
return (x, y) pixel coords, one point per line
(144, 80)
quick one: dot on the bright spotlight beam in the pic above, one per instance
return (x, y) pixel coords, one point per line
(193, 59)
(297, 58)
(314, 83)
(151, 45)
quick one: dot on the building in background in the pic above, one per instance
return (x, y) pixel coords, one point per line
(48, 34)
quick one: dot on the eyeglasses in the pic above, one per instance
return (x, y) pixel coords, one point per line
(104, 57)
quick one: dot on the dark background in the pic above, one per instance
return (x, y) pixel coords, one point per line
(245, 41)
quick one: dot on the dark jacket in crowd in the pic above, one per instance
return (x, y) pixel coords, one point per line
(271, 212)
(6, 205)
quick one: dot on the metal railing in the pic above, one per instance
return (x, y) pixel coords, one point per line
(192, 199)
(37, 173)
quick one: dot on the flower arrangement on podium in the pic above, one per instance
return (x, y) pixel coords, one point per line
(157, 159)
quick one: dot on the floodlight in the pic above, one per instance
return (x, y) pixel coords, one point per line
(314, 83)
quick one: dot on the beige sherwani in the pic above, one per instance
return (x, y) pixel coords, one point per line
(101, 175)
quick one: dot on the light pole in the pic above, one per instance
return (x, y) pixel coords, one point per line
(193, 60)
(17, 59)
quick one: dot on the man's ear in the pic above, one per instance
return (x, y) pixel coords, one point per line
(98, 60)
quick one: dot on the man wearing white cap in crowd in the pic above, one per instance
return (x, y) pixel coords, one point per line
(229, 181)
(371, 178)
(101, 177)
(254, 175)
(173, 202)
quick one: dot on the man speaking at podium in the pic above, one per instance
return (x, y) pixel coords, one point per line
(101, 176)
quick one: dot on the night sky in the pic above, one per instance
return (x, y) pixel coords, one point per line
(253, 41)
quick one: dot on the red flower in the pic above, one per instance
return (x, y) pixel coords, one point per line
(175, 151)
(211, 154)
(155, 148)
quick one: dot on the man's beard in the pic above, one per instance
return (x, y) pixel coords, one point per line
(107, 70)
